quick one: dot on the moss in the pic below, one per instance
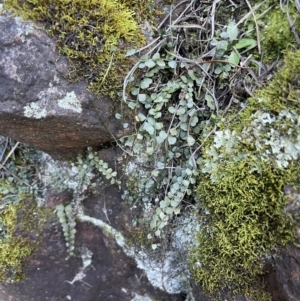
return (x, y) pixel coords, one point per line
(280, 94)
(21, 225)
(143, 9)
(94, 35)
(242, 175)
(276, 33)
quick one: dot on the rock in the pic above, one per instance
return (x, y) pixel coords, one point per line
(111, 274)
(283, 274)
(39, 106)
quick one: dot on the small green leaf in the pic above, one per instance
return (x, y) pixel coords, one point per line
(118, 116)
(163, 135)
(155, 246)
(163, 204)
(130, 52)
(135, 91)
(157, 115)
(194, 120)
(156, 56)
(210, 101)
(161, 215)
(154, 173)
(232, 31)
(159, 125)
(68, 209)
(160, 165)
(169, 210)
(186, 183)
(172, 64)
(131, 79)
(150, 150)
(149, 128)
(153, 224)
(172, 140)
(188, 171)
(227, 67)
(192, 75)
(233, 58)
(218, 69)
(145, 57)
(62, 219)
(132, 105)
(190, 140)
(160, 63)
(176, 210)
(141, 117)
(173, 132)
(183, 78)
(181, 111)
(150, 63)
(159, 140)
(175, 203)
(245, 43)
(142, 97)
(223, 35)
(60, 207)
(172, 110)
(151, 121)
(184, 126)
(146, 82)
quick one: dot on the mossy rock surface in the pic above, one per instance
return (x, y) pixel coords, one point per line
(21, 226)
(246, 165)
(95, 35)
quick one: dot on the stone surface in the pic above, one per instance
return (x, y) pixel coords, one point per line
(39, 106)
(112, 275)
(283, 274)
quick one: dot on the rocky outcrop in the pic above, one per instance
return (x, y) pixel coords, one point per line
(100, 269)
(39, 106)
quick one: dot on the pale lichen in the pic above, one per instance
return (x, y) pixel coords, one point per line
(33, 110)
(70, 102)
(161, 272)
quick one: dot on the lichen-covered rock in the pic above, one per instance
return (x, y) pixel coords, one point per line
(100, 268)
(39, 106)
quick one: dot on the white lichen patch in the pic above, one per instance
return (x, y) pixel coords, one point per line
(24, 28)
(70, 102)
(50, 95)
(141, 298)
(163, 272)
(86, 256)
(59, 174)
(33, 110)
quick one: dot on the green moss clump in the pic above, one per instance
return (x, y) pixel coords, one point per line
(21, 225)
(244, 168)
(95, 36)
(144, 10)
(276, 33)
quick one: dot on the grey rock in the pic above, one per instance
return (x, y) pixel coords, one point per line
(39, 106)
(112, 275)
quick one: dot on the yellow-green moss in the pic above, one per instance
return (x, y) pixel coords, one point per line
(281, 93)
(276, 33)
(144, 10)
(21, 225)
(241, 189)
(95, 35)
